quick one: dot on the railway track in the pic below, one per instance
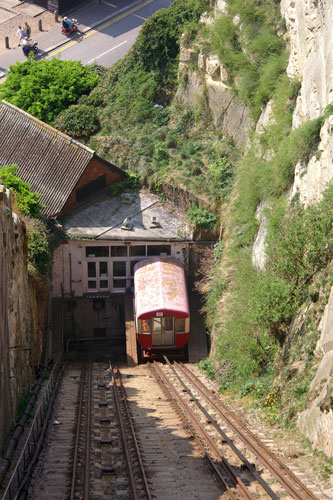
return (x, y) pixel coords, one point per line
(104, 461)
(222, 436)
(151, 431)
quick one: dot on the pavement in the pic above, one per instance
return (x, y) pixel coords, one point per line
(14, 12)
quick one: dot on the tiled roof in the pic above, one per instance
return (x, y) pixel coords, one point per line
(52, 162)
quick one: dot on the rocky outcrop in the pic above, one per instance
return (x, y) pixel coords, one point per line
(316, 422)
(258, 250)
(312, 179)
(310, 36)
(205, 85)
(22, 316)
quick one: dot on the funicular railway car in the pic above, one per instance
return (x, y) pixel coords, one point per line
(161, 307)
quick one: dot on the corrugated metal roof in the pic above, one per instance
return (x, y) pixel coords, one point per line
(52, 162)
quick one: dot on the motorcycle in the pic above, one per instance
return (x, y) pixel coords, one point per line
(30, 46)
(73, 29)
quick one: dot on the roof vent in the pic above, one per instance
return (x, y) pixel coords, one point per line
(154, 222)
(127, 226)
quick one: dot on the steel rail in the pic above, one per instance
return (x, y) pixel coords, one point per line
(225, 413)
(78, 431)
(176, 397)
(123, 435)
(249, 466)
(136, 444)
(86, 494)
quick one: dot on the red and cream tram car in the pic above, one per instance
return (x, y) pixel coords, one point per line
(161, 307)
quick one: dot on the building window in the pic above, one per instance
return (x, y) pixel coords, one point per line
(99, 272)
(119, 283)
(97, 251)
(103, 269)
(153, 250)
(91, 269)
(119, 251)
(137, 251)
(119, 268)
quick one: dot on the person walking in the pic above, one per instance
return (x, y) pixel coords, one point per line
(27, 30)
(20, 34)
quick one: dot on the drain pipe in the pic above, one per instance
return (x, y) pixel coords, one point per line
(5, 460)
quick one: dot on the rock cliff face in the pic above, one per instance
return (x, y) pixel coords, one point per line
(22, 316)
(316, 422)
(310, 35)
(205, 85)
(310, 39)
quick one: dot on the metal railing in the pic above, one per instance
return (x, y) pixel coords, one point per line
(33, 442)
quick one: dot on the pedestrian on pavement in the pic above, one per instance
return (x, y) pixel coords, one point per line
(20, 34)
(27, 30)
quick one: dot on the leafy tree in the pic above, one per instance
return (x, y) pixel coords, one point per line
(26, 199)
(45, 88)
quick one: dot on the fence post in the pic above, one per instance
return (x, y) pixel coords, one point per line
(56, 14)
(40, 27)
(6, 42)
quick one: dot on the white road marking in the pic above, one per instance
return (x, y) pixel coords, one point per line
(108, 3)
(140, 17)
(97, 57)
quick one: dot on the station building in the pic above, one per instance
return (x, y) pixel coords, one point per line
(91, 300)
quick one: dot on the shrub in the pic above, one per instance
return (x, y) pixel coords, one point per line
(131, 182)
(26, 199)
(39, 255)
(200, 217)
(45, 88)
(78, 121)
(207, 366)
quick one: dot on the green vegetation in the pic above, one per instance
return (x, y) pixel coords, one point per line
(246, 41)
(130, 182)
(26, 200)
(45, 88)
(200, 217)
(78, 121)
(39, 254)
(40, 240)
(144, 131)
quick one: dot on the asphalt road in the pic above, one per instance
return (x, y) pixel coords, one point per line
(108, 43)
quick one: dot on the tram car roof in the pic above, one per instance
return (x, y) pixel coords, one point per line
(160, 287)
